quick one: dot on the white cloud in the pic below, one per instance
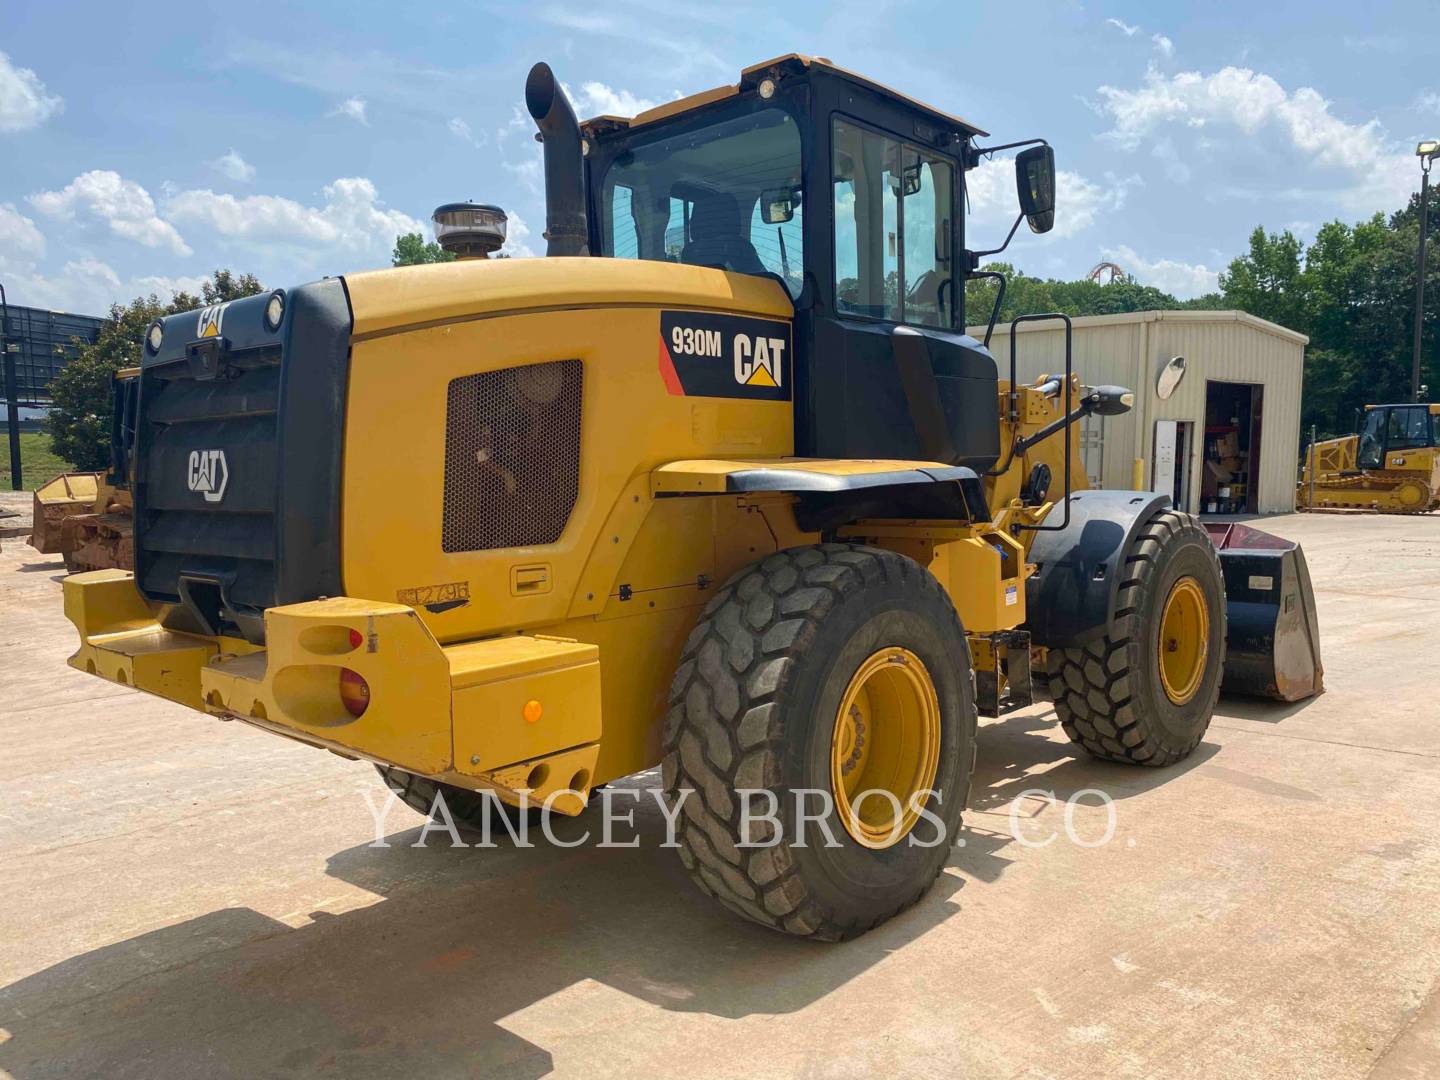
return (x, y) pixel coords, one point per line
(1165, 46)
(1376, 43)
(582, 22)
(166, 287)
(84, 285)
(352, 219)
(1177, 170)
(597, 99)
(516, 235)
(354, 108)
(1380, 171)
(1183, 280)
(122, 204)
(21, 243)
(1429, 101)
(1124, 28)
(519, 121)
(89, 286)
(24, 101)
(462, 131)
(231, 165)
(1078, 201)
(530, 172)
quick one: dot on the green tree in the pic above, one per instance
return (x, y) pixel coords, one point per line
(79, 424)
(412, 250)
(1269, 280)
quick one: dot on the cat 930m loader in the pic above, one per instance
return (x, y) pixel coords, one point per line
(720, 485)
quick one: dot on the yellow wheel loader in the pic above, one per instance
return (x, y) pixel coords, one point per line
(1391, 465)
(720, 485)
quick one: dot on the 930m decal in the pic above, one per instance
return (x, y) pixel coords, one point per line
(728, 356)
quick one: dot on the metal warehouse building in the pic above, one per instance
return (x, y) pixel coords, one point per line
(1226, 441)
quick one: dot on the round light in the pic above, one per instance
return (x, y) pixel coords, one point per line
(275, 311)
(155, 337)
(532, 711)
(354, 692)
(767, 88)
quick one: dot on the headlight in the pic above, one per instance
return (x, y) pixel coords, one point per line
(275, 311)
(155, 337)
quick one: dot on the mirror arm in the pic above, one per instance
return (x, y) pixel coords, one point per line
(999, 297)
(976, 256)
(977, 152)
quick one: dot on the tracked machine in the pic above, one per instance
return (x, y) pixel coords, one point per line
(720, 485)
(1391, 465)
(85, 517)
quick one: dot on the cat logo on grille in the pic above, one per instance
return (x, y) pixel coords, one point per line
(208, 474)
(210, 320)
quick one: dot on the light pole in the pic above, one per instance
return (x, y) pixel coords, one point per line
(12, 407)
(1427, 151)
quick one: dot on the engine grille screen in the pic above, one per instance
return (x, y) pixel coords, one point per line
(512, 456)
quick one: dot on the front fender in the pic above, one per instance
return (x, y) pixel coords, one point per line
(1072, 593)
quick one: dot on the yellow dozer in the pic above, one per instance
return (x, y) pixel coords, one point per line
(1391, 465)
(720, 485)
(86, 516)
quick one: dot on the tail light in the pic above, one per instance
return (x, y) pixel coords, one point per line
(354, 692)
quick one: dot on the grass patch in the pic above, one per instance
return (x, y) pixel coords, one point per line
(38, 463)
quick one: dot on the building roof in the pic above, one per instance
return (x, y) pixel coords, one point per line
(1186, 316)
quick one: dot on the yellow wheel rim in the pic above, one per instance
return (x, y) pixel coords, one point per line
(1184, 640)
(886, 747)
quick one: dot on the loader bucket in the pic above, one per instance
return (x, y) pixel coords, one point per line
(1273, 640)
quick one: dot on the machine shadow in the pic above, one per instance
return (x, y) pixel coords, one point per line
(1262, 710)
(1023, 772)
(435, 976)
(41, 567)
(438, 973)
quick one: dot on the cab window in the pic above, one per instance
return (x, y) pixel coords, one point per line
(894, 206)
(1372, 440)
(1409, 429)
(726, 195)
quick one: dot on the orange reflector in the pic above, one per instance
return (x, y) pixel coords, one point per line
(354, 692)
(531, 712)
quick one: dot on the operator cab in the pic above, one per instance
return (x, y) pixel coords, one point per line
(849, 195)
(1396, 428)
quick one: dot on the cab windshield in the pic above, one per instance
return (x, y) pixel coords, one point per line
(727, 195)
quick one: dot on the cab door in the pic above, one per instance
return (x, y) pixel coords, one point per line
(893, 241)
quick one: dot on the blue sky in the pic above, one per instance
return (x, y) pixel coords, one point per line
(144, 144)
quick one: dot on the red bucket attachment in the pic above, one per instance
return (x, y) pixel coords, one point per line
(1272, 638)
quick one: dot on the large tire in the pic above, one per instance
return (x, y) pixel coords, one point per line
(756, 704)
(1110, 695)
(466, 807)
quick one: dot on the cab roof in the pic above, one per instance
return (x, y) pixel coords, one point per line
(791, 64)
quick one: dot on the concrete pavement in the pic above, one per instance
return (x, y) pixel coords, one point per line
(187, 897)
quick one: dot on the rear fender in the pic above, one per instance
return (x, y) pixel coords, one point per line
(835, 492)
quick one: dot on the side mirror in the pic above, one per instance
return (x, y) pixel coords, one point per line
(778, 206)
(1035, 186)
(1168, 380)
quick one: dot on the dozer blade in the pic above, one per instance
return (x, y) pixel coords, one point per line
(1273, 640)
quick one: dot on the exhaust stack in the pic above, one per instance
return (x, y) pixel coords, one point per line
(565, 227)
